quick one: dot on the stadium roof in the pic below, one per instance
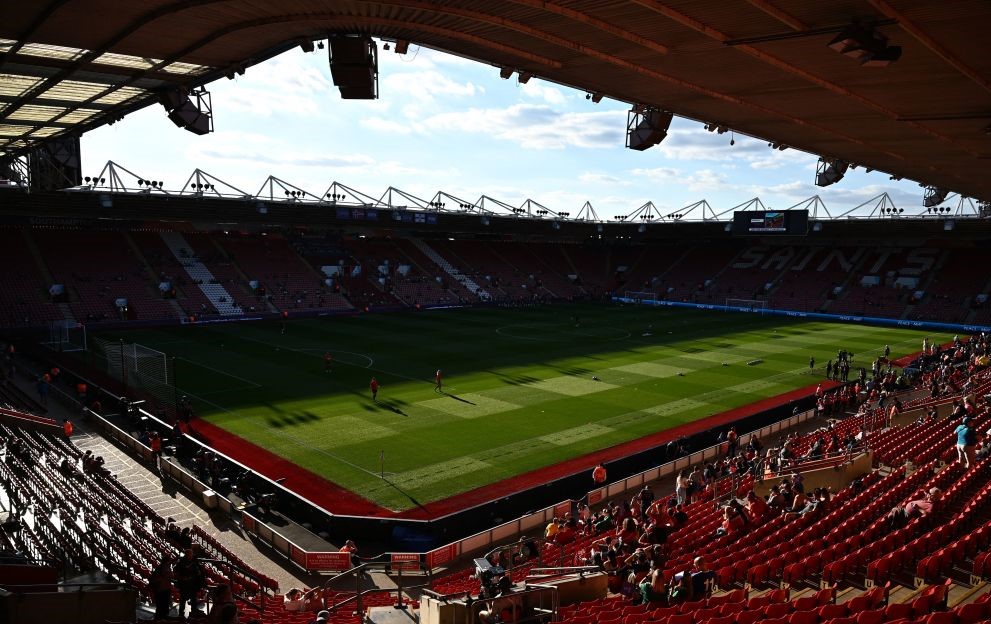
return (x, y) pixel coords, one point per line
(761, 67)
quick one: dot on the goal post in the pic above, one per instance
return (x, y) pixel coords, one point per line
(752, 305)
(137, 366)
(66, 336)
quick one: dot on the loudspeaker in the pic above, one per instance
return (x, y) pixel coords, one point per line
(354, 67)
(833, 172)
(650, 130)
(188, 116)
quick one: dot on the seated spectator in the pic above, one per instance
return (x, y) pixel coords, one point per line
(896, 518)
(757, 507)
(923, 506)
(652, 589)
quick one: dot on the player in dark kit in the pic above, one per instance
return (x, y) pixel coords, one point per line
(439, 381)
(374, 387)
(328, 362)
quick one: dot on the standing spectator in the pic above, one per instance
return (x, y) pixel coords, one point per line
(67, 427)
(681, 487)
(350, 547)
(189, 581)
(161, 587)
(732, 442)
(599, 474)
(966, 440)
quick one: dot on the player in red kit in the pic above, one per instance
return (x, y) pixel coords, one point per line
(438, 378)
(374, 387)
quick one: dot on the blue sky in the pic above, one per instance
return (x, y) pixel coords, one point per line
(447, 123)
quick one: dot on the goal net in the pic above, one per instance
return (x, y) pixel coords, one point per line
(641, 295)
(65, 336)
(136, 366)
(753, 305)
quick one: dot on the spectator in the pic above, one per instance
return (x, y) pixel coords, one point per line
(350, 547)
(321, 617)
(966, 441)
(599, 474)
(922, 507)
(189, 581)
(160, 584)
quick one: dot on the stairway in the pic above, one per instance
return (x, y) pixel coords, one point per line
(450, 269)
(216, 293)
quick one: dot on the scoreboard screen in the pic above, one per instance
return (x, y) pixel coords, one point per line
(761, 222)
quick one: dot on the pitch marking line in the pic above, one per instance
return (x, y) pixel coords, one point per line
(321, 350)
(252, 384)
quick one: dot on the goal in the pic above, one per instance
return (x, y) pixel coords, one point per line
(752, 305)
(66, 336)
(137, 366)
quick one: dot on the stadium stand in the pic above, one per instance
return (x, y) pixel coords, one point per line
(24, 296)
(291, 283)
(99, 268)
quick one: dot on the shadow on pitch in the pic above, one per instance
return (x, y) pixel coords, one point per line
(404, 493)
(456, 397)
(391, 405)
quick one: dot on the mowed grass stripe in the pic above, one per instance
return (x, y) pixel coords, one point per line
(515, 404)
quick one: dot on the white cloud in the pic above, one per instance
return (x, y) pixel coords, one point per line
(597, 177)
(427, 86)
(700, 180)
(531, 126)
(536, 89)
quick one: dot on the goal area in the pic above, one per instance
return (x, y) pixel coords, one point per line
(752, 305)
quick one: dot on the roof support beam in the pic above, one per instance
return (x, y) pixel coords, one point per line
(552, 6)
(112, 72)
(43, 101)
(43, 16)
(782, 16)
(930, 42)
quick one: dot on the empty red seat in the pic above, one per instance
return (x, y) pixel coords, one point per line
(874, 616)
(776, 610)
(972, 613)
(942, 618)
(804, 617)
(828, 611)
(748, 617)
(806, 603)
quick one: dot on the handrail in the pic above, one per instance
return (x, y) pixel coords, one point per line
(230, 580)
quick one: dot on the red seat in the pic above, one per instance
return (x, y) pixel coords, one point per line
(731, 608)
(827, 595)
(942, 618)
(681, 619)
(875, 616)
(828, 611)
(806, 603)
(804, 617)
(972, 613)
(726, 619)
(636, 618)
(898, 611)
(748, 617)
(777, 610)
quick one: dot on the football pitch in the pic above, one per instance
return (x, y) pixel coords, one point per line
(523, 388)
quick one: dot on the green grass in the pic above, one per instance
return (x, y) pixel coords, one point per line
(519, 387)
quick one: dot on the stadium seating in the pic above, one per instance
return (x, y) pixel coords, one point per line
(24, 298)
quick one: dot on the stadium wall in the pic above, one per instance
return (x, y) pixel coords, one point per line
(873, 320)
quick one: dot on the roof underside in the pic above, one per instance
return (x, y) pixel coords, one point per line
(70, 65)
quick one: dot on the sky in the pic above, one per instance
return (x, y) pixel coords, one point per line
(444, 123)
